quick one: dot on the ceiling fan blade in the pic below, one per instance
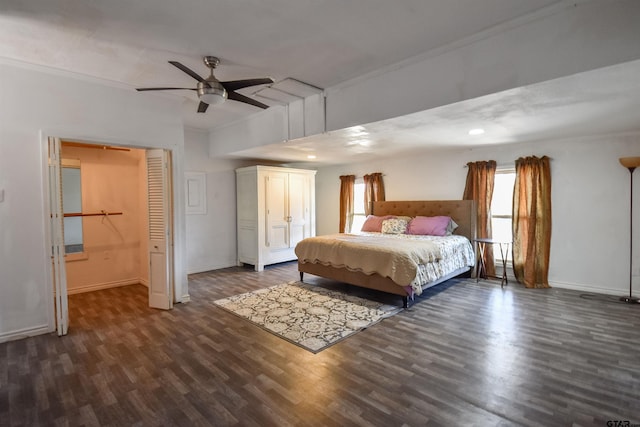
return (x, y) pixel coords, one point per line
(142, 89)
(237, 97)
(202, 107)
(239, 84)
(187, 70)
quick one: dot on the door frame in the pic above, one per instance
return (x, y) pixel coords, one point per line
(179, 289)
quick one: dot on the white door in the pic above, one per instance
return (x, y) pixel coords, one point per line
(277, 210)
(58, 269)
(298, 208)
(160, 230)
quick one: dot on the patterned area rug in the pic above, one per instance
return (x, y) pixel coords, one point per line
(309, 316)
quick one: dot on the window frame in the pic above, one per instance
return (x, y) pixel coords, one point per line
(503, 171)
(359, 182)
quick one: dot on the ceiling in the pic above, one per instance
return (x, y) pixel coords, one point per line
(320, 43)
(599, 102)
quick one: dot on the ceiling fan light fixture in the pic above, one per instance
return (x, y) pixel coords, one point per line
(211, 93)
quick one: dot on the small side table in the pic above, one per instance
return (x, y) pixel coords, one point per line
(482, 268)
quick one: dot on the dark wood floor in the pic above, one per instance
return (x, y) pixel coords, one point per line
(464, 354)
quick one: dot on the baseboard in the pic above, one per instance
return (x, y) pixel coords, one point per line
(107, 285)
(24, 333)
(144, 282)
(572, 286)
(208, 267)
(589, 288)
(185, 298)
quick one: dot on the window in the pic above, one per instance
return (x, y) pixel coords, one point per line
(501, 205)
(358, 206)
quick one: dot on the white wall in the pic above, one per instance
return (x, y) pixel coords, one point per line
(590, 201)
(34, 104)
(211, 238)
(264, 127)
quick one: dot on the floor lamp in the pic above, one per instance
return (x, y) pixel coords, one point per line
(630, 163)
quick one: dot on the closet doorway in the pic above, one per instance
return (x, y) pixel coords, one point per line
(111, 221)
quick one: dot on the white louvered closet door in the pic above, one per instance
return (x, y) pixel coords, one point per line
(58, 266)
(160, 232)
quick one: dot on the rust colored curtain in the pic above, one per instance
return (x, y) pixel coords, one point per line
(346, 202)
(532, 221)
(479, 187)
(373, 190)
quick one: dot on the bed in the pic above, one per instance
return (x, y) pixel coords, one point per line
(324, 255)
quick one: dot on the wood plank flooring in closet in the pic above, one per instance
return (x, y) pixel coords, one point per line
(463, 354)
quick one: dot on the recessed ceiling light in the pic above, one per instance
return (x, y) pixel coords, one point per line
(476, 131)
(311, 156)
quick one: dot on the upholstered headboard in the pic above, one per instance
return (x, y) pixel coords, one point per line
(463, 212)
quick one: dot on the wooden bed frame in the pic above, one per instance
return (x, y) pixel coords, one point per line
(463, 212)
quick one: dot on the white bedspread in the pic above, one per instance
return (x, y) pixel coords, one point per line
(408, 260)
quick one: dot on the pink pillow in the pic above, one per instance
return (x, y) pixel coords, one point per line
(429, 225)
(374, 223)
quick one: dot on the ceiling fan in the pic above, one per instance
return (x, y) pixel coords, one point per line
(211, 90)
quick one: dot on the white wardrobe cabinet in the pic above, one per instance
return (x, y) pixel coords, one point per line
(275, 210)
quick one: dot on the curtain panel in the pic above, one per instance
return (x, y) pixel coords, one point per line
(373, 190)
(479, 187)
(532, 221)
(346, 202)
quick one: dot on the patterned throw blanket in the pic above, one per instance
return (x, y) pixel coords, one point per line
(397, 259)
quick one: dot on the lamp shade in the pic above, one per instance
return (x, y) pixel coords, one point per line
(630, 162)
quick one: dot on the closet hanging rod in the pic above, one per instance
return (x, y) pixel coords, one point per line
(103, 213)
